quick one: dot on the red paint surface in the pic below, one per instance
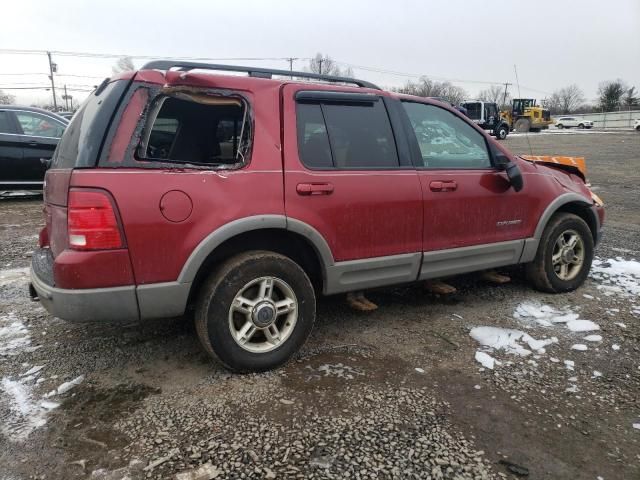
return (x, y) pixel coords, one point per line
(107, 268)
(176, 206)
(366, 214)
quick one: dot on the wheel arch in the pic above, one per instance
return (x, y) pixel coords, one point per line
(292, 238)
(571, 203)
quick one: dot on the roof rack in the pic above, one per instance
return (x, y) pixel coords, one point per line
(254, 72)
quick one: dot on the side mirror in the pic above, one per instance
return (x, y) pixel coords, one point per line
(515, 176)
(513, 171)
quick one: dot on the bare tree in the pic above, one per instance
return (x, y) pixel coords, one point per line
(495, 94)
(425, 87)
(6, 98)
(124, 64)
(566, 100)
(325, 65)
(610, 94)
(630, 100)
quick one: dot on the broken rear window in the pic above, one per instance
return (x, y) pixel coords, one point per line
(199, 129)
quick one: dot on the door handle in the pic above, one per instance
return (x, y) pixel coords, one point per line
(314, 188)
(443, 186)
(33, 144)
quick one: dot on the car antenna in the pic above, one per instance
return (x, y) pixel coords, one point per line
(526, 134)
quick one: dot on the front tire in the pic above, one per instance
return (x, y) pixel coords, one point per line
(255, 311)
(564, 255)
(502, 132)
(581, 126)
(522, 125)
(560, 126)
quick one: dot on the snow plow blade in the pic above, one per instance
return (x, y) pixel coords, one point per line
(575, 163)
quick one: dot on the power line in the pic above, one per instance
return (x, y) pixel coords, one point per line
(246, 59)
(140, 57)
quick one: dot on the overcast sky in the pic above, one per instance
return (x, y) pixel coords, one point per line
(553, 43)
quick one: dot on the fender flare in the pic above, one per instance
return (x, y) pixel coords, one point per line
(554, 206)
(247, 224)
(531, 244)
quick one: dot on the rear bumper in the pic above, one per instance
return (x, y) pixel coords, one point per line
(121, 304)
(113, 304)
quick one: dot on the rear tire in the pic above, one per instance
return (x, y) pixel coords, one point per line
(560, 126)
(581, 126)
(255, 311)
(522, 125)
(558, 266)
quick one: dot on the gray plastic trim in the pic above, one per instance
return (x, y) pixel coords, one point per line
(161, 300)
(113, 305)
(315, 237)
(372, 272)
(530, 249)
(225, 232)
(454, 261)
(553, 208)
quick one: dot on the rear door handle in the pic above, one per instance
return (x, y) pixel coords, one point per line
(443, 186)
(314, 189)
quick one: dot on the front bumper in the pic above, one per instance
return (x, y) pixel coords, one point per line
(113, 304)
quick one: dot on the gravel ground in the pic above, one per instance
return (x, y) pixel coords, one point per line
(391, 394)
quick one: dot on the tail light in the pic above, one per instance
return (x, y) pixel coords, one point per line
(92, 222)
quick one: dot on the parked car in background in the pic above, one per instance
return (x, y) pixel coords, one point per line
(636, 126)
(305, 189)
(27, 135)
(67, 115)
(569, 122)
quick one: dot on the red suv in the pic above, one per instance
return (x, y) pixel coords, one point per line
(246, 197)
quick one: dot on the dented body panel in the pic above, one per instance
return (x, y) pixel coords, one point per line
(366, 227)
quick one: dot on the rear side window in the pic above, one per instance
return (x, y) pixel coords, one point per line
(201, 130)
(37, 125)
(346, 136)
(6, 126)
(83, 138)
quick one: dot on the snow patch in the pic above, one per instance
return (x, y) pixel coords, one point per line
(14, 275)
(486, 360)
(617, 276)
(547, 316)
(26, 412)
(582, 326)
(579, 346)
(509, 340)
(14, 336)
(593, 338)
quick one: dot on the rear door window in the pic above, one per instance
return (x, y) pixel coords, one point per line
(346, 136)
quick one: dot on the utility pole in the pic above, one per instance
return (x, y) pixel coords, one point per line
(53, 68)
(290, 60)
(504, 98)
(66, 97)
(320, 65)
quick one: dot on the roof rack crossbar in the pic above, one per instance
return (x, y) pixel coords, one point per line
(254, 72)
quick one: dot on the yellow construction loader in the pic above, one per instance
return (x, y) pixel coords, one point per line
(525, 115)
